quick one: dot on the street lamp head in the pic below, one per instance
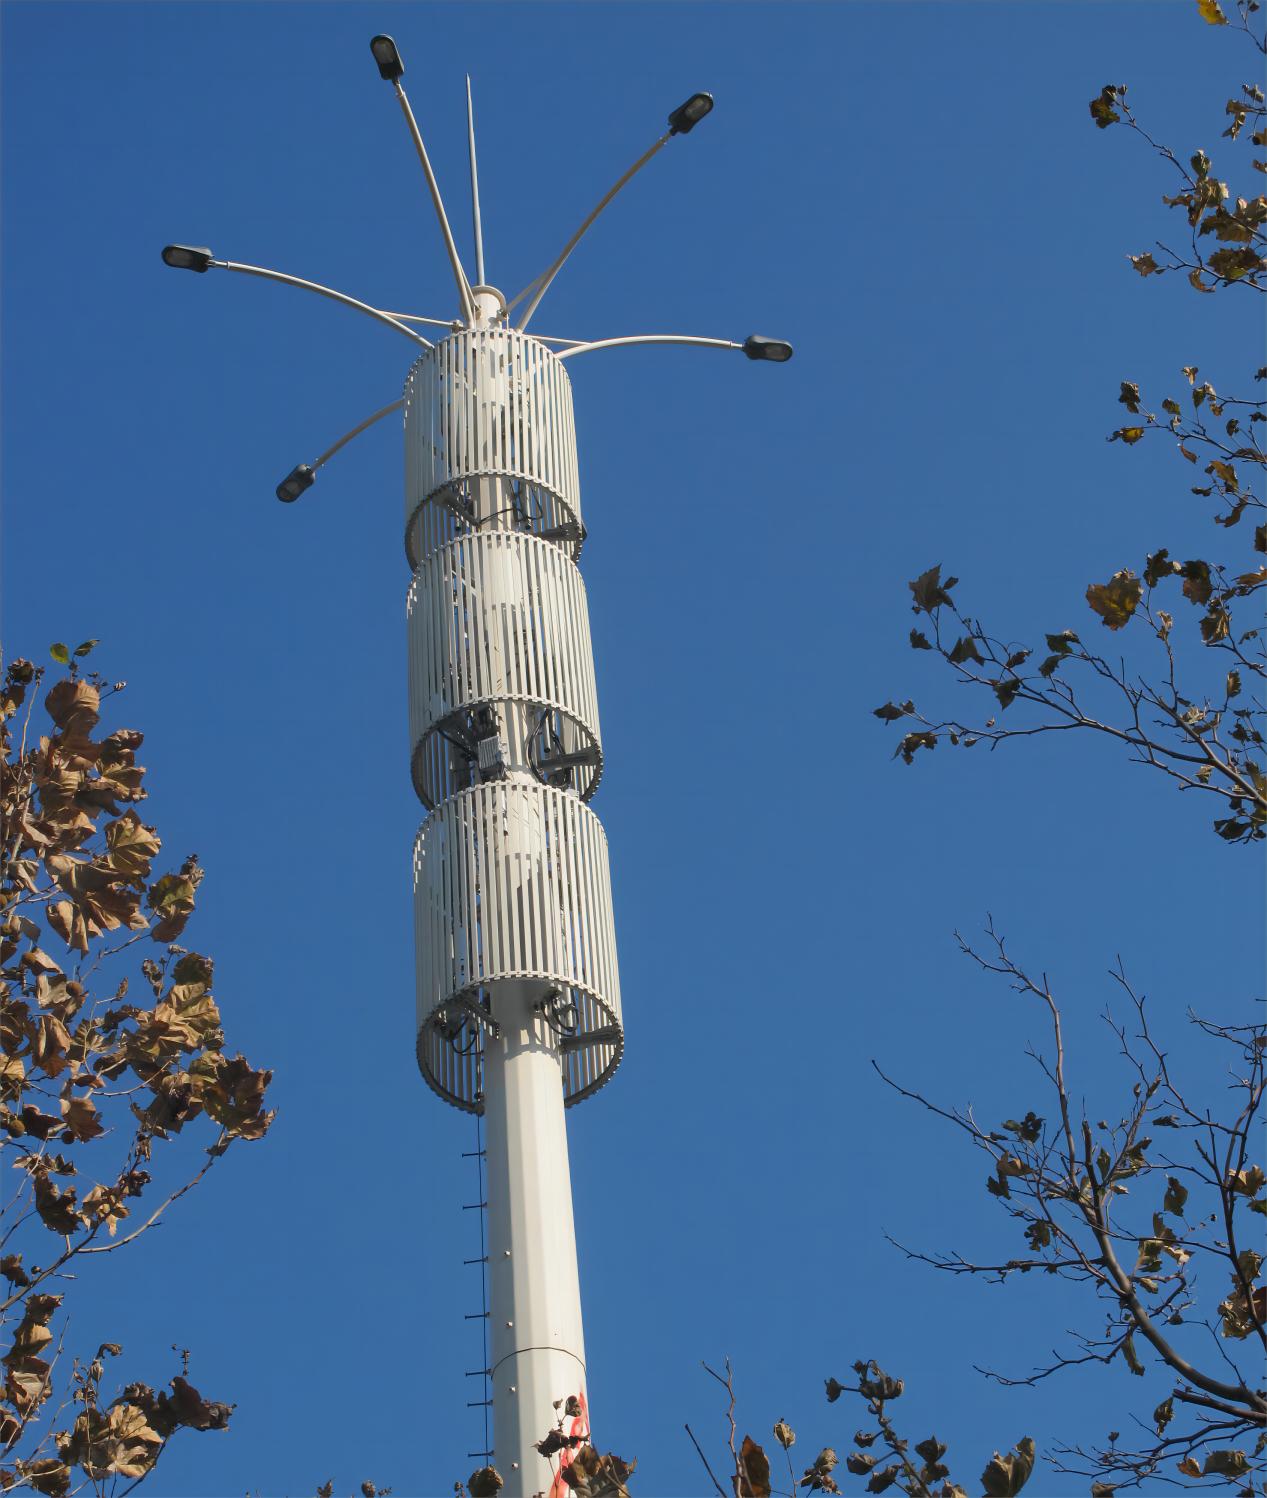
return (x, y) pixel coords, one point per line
(187, 257)
(772, 350)
(295, 483)
(387, 57)
(686, 116)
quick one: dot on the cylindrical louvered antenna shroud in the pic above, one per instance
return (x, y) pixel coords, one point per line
(491, 904)
(511, 875)
(498, 616)
(489, 402)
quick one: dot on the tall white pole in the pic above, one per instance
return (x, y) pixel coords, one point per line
(518, 997)
(537, 1344)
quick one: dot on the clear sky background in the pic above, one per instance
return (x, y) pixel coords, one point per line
(915, 196)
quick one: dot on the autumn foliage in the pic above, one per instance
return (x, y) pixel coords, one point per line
(1176, 683)
(112, 1046)
(1151, 1203)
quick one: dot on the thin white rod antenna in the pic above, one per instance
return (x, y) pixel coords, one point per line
(459, 275)
(587, 348)
(543, 281)
(355, 432)
(326, 291)
(475, 187)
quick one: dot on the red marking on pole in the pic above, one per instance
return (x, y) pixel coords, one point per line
(580, 1427)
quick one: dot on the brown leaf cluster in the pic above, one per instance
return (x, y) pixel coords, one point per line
(110, 1049)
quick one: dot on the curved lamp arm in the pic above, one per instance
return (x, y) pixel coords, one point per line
(459, 275)
(681, 122)
(769, 350)
(450, 324)
(326, 291)
(355, 432)
(304, 475)
(390, 69)
(542, 283)
(587, 348)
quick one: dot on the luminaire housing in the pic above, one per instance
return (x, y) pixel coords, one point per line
(387, 57)
(772, 350)
(686, 116)
(188, 257)
(300, 479)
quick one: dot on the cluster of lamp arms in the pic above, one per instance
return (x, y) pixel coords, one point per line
(681, 122)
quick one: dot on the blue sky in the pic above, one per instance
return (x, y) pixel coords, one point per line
(914, 195)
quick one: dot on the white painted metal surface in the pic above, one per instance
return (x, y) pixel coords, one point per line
(542, 284)
(489, 402)
(433, 187)
(327, 291)
(600, 343)
(518, 989)
(518, 998)
(498, 616)
(476, 225)
(511, 882)
(537, 1348)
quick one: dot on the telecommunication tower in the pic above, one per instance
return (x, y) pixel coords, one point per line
(518, 992)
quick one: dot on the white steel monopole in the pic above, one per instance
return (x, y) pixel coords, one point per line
(518, 991)
(518, 988)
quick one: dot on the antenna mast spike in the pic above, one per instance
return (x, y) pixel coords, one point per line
(475, 187)
(459, 275)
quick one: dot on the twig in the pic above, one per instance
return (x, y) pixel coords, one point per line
(704, 1459)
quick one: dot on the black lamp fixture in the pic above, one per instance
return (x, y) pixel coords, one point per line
(772, 350)
(686, 116)
(387, 57)
(299, 479)
(188, 257)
